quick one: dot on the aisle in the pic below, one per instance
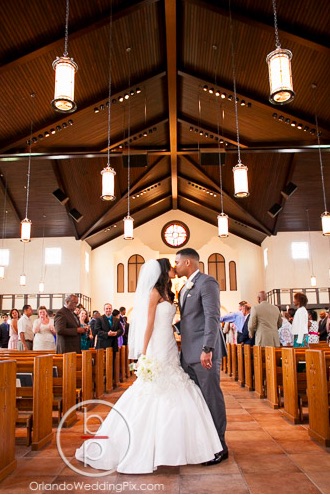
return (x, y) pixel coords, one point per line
(267, 455)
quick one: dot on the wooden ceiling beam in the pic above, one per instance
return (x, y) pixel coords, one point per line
(171, 55)
(254, 220)
(292, 32)
(199, 80)
(201, 126)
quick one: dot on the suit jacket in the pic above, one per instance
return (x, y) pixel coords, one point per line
(200, 319)
(264, 322)
(102, 328)
(66, 324)
(323, 329)
(243, 337)
(4, 335)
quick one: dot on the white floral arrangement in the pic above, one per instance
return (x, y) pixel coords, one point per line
(147, 368)
(189, 284)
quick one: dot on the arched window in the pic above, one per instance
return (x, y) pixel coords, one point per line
(134, 265)
(217, 269)
(120, 277)
(201, 267)
(232, 275)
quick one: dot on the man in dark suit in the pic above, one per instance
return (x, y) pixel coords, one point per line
(202, 343)
(243, 337)
(323, 326)
(68, 327)
(107, 330)
(4, 332)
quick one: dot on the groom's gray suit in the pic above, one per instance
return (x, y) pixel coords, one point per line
(200, 326)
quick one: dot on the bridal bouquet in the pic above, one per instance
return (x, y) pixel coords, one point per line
(148, 368)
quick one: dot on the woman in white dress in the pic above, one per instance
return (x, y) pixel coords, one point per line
(162, 419)
(44, 331)
(299, 327)
(13, 329)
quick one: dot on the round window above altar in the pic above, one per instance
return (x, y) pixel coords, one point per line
(175, 234)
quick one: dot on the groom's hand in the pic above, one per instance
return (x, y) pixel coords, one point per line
(206, 360)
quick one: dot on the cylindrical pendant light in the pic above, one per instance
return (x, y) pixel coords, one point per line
(279, 70)
(108, 183)
(2, 272)
(128, 228)
(325, 219)
(26, 230)
(65, 69)
(241, 186)
(222, 225)
(41, 286)
(280, 76)
(22, 280)
(313, 281)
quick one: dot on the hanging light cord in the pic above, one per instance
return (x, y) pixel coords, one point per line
(128, 50)
(42, 249)
(277, 39)
(234, 83)
(310, 241)
(66, 34)
(220, 166)
(319, 146)
(29, 162)
(110, 81)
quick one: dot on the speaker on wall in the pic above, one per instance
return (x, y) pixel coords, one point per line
(274, 210)
(75, 214)
(136, 160)
(289, 189)
(60, 196)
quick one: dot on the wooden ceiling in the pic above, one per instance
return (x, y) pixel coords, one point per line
(173, 130)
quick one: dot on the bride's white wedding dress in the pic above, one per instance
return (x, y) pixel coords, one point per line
(160, 422)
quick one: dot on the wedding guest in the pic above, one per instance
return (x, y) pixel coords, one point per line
(284, 331)
(322, 326)
(25, 332)
(300, 321)
(243, 337)
(4, 332)
(13, 330)
(313, 328)
(87, 336)
(44, 331)
(107, 330)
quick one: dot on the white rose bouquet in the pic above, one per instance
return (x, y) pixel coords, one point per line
(147, 368)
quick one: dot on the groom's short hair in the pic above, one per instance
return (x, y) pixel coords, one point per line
(189, 253)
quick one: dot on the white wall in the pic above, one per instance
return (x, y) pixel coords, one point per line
(285, 272)
(147, 242)
(68, 277)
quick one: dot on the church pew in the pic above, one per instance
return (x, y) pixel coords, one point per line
(8, 462)
(109, 369)
(248, 367)
(38, 398)
(122, 363)
(64, 385)
(259, 370)
(128, 373)
(233, 351)
(318, 388)
(274, 375)
(240, 364)
(294, 383)
(229, 360)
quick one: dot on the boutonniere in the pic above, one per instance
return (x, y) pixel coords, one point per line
(189, 284)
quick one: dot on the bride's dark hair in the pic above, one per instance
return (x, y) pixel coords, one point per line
(163, 284)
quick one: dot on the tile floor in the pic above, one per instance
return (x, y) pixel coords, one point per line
(267, 455)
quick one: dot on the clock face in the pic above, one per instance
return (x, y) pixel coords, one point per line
(175, 234)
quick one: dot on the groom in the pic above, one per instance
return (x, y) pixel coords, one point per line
(201, 344)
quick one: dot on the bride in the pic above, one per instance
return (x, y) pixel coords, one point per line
(162, 419)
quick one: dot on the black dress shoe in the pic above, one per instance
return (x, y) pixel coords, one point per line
(219, 457)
